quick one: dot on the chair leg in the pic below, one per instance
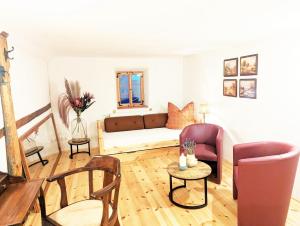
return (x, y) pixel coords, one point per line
(117, 222)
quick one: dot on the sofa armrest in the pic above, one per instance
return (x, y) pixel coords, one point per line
(100, 137)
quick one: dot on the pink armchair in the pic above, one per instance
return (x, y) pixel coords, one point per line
(209, 145)
(263, 178)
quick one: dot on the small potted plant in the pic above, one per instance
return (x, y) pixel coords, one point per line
(189, 146)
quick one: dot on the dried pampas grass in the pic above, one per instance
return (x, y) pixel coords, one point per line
(72, 99)
(75, 89)
(64, 107)
(65, 100)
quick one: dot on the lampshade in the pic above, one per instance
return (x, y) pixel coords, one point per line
(203, 108)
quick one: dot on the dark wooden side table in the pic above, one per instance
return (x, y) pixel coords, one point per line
(36, 150)
(18, 199)
(71, 143)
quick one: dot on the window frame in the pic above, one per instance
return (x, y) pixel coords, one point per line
(130, 104)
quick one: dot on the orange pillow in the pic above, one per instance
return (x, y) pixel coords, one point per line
(178, 119)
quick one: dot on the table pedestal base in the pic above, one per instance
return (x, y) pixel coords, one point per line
(71, 143)
(184, 186)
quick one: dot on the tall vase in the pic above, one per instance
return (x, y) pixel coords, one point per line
(78, 129)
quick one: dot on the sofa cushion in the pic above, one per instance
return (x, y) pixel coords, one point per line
(205, 152)
(123, 123)
(155, 120)
(178, 119)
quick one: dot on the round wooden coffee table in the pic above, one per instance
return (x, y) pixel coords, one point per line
(198, 172)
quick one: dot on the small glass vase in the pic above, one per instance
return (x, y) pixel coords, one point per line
(191, 159)
(78, 129)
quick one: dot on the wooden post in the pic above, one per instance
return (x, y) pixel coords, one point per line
(11, 138)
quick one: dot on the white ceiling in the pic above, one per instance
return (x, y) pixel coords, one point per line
(145, 28)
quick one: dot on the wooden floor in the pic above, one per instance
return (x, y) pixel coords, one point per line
(144, 193)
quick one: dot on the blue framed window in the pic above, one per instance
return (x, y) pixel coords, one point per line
(130, 89)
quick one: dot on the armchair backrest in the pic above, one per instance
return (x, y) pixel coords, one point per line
(202, 133)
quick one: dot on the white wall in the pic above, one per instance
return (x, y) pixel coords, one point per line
(29, 84)
(163, 83)
(274, 115)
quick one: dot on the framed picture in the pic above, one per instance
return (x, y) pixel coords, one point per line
(248, 88)
(230, 87)
(248, 65)
(231, 67)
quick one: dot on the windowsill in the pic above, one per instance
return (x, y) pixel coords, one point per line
(133, 107)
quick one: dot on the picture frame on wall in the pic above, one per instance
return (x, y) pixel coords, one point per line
(247, 88)
(230, 87)
(230, 67)
(249, 65)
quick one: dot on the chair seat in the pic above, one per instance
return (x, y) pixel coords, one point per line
(83, 213)
(205, 152)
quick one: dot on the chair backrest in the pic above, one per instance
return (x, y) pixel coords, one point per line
(265, 185)
(108, 194)
(111, 182)
(202, 133)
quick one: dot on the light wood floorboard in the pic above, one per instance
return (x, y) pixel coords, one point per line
(144, 193)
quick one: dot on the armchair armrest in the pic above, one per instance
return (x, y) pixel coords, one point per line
(258, 149)
(60, 178)
(106, 190)
(247, 150)
(67, 173)
(219, 143)
(104, 194)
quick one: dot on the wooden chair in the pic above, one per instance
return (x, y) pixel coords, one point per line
(101, 209)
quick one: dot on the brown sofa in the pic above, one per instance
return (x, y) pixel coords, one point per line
(115, 125)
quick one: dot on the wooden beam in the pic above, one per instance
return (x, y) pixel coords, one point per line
(22, 149)
(34, 128)
(14, 164)
(28, 118)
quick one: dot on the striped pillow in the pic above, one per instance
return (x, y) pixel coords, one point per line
(178, 119)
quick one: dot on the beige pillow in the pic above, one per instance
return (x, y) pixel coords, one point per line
(178, 119)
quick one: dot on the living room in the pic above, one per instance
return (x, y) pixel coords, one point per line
(180, 49)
